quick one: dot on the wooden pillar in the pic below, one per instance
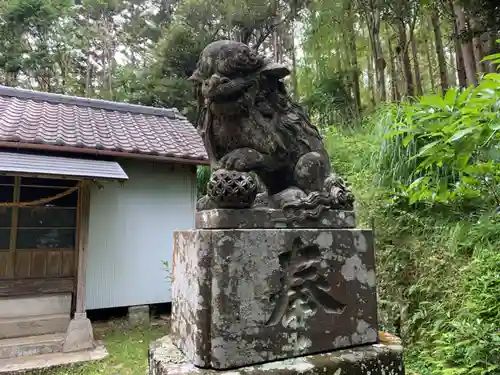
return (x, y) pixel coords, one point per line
(13, 228)
(83, 235)
(80, 335)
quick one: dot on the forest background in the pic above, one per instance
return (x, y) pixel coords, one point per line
(406, 93)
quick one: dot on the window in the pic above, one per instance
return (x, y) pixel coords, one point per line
(37, 240)
(51, 225)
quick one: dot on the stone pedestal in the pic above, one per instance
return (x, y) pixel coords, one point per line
(264, 289)
(376, 359)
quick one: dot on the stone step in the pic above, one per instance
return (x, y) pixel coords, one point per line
(42, 362)
(16, 307)
(31, 346)
(33, 325)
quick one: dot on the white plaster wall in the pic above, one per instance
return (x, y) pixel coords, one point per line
(131, 233)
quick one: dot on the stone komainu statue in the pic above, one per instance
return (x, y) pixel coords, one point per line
(257, 138)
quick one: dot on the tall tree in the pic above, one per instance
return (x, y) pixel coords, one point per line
(352, 51)
(430, 65)
(371, 11)
(403, 15)
(438, 43)
(395, 96)
(459, 59)
(416, 65)
(466, 43)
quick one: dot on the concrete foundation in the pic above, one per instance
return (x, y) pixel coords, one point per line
(376, 359)
(80, 335)
(138, 315)
(34, 316)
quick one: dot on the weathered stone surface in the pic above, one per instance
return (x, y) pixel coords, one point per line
(270, 218)
(376, 359)
(249, 123)
(138, 315)
(246, 296)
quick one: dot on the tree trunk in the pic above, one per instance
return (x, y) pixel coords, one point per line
(477, 45)
(353, 57)
(88, 76)
(466, 45)
(394, 82)
(371, 13)
(373, 22)
(416, 66)
(295, 85)
(451, 62)
(275, 31)
(428, 51)
(380, 69)
(459, 60)
(405, 59)
(438, 42)
(369, 69)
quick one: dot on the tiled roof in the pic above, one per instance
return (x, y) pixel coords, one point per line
(30, 117)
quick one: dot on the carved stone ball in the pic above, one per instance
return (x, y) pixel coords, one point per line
(232, 189)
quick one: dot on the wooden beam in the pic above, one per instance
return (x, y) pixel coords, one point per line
(82, 245)
(22, 287)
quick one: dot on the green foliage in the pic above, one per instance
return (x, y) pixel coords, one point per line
(203, 174)
(438, 270)
(164, 83)
(487, 12)
(444, 149)
(330, 102)
(168, 270)
(494, 58)
(38, 17)
(466, 339)
(328, 73)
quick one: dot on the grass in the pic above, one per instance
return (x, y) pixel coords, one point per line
(127, 347)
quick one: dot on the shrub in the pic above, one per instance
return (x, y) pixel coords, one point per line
(444, 149)
(438, 271)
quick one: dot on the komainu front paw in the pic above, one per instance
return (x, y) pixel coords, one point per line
(340, 192)
(242, 160)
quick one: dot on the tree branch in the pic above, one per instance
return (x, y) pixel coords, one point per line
(262, 38)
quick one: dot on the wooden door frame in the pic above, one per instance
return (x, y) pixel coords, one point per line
(39, 286)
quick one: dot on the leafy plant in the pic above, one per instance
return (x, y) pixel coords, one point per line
(202, 176)
(168, 270)
(445, 148)
(438, 268)
(330, 101)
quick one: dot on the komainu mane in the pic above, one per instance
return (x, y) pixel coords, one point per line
(251, 126)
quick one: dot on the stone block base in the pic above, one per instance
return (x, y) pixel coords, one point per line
(376, 359)
(138, 315)
(247, 296)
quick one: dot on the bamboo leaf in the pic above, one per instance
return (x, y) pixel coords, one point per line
(425, 149)
(462, 133)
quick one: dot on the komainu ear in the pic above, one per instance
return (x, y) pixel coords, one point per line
(275, 70)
